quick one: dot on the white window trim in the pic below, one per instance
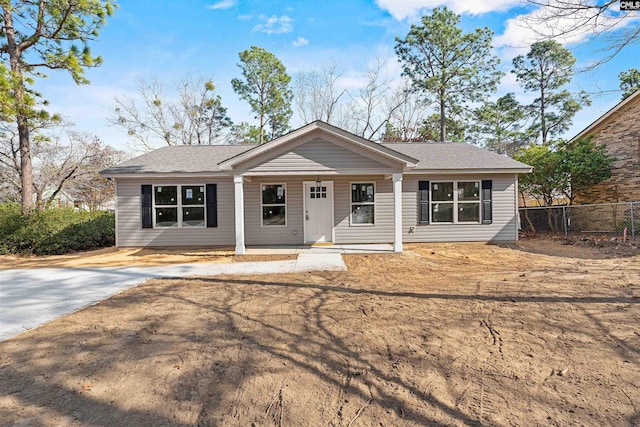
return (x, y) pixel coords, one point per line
(351, 202)
(286, 206)
(455, 202)
(179, 206)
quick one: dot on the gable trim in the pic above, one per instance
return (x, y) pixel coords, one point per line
(606, 115)
(339, 134)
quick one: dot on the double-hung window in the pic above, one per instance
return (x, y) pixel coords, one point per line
(274, 205)
(363, 203)
(193, 205)
(468, 201)
(455, 202)
(179, 205)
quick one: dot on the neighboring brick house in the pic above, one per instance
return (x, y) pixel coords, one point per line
(619, 131)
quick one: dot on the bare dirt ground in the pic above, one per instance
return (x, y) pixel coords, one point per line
(541, 333)
(128, 257)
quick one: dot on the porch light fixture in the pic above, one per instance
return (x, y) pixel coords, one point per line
(318, 184)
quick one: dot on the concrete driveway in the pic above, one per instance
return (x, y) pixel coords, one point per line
(32, 297)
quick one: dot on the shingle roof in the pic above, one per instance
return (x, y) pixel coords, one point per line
(200, 159)
(178, 159)
(455, 156)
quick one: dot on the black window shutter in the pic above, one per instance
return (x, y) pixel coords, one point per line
(423, 192)
(487, 208)
(147, 214)
(212, 205)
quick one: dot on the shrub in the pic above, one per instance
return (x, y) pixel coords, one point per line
(54, 231)
(10, 220)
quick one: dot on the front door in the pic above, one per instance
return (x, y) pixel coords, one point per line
(318, 212)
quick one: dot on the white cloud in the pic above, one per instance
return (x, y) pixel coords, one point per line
(222, 4)
(300, 41)
(524, 30)
(403, 9)
(274, 24)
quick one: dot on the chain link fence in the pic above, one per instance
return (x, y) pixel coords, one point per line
(609, 219)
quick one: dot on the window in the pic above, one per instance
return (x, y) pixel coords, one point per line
(165, 199)
(469, 201)
(318, 192)
(455, 202)
(363, 203)
(192, 205)
(274, 205)
(179, 205)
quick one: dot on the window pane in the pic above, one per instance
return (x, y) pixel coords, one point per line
(442, 212)
(442, 191)
(362, 214)
(166, 195)
(166, 217)
(274, 215)
(362, 193)
(193, 217)
(469, 212)
(192, 195)
(468, 191)
(273, 194)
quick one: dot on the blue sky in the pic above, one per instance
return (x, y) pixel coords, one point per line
(170, 38)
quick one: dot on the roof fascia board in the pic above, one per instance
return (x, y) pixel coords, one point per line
(467, 171)
(164, 175)
(586, 131)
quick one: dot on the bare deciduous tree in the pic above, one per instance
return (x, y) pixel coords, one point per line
(194, 115)
(573, 19)
(59, 165)
(317, 94)
(372, 108)
(60, 162)
(407, 120)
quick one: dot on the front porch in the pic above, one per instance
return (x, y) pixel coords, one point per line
(292, 213)
(380, 248)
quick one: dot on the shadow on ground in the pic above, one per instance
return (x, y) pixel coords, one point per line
(454, 335)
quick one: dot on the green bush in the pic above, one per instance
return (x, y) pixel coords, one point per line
(54, 231)
(10, 220)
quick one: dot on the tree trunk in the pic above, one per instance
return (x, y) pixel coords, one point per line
(526, 213)
(531, 226)
(17, 80)
(443, 123)
(543, 122)
(39, 201)
(25, 165)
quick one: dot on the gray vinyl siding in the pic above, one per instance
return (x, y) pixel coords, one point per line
(321, 156)
(504, 226)
(382, 230)
(293, 232)
(255, 233)
(131, 233)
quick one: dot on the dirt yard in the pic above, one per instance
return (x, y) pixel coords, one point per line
(454, 334)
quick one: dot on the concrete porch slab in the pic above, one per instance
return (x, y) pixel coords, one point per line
(378, 248)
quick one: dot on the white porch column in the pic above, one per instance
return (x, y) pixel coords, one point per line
(239, 210)
(397, 212)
